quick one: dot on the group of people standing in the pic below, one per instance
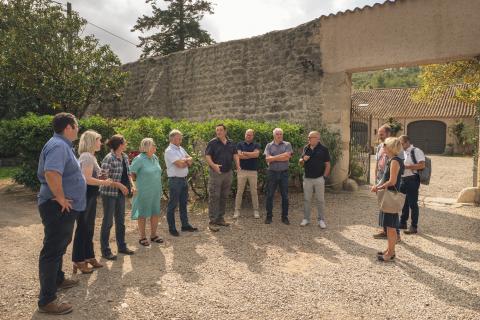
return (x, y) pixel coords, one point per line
(70, 187)
(397, 169)
(221, 153)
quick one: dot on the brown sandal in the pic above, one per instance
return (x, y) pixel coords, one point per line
(94, 263)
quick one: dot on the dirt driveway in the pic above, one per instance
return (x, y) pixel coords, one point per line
(449, 176)
(256, 271)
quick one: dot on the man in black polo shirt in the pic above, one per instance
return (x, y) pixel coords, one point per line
(316, 161)
(248, 152)
(220, 154)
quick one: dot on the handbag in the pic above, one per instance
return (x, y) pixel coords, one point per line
(390, 201)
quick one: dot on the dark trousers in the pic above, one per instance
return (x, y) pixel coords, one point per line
(178, 195)
(113, 207)
(83, 240)
(58, 230)
(277, 179)
(410, 186)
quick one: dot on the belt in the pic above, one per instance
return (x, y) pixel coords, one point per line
(183, 178)
(415, 176)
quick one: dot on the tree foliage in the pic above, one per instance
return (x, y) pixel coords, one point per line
(437, 78)
(175, 29)
(46, 66)
(389, 78)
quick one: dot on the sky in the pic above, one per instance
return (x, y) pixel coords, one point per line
(232, 19)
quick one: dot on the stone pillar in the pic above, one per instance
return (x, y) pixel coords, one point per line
(336, 95)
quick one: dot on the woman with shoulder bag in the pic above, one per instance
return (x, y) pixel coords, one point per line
(390, 199)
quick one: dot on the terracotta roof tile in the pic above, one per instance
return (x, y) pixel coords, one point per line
(398, 103)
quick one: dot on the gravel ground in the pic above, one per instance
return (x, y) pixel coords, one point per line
(449, 176)
(254, 271)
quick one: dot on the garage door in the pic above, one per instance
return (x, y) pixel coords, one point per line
(428, 135)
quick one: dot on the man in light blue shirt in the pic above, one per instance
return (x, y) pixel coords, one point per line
(177, 161)
(61, 199)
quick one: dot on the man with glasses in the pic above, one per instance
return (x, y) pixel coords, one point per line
(316, 161)
(277, 154)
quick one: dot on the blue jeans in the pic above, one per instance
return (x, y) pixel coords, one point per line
(58, 230)
(274, 179)
(410, 187)
(178, 195)
(113, 207)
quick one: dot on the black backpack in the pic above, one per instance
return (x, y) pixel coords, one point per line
(426, 172)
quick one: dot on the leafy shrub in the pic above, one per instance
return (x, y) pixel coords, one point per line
(26, 136)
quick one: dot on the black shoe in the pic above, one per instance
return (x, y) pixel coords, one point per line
(174, 233)
(268, 220)
(412, 230)
(403, 226)
(189, 229)
(126, 251)
(285, 220)
(109, 256)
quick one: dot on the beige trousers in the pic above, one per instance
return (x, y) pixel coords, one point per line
(242, 177)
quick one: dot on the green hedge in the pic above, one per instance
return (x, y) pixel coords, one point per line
(26, 136)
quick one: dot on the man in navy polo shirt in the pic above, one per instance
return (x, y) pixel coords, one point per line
(248, 152)
(316, 161)
(277, 154)
(62, 197)
(220, 154)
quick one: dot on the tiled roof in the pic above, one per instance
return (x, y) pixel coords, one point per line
(359, 9)
(398, 103)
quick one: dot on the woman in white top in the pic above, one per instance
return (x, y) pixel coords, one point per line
(83, 253)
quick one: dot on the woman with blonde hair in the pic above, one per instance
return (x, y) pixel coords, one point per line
(146, 169)
(390, 181)
(83, 253)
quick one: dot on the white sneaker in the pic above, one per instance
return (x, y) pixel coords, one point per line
(304, 222)
(256, 214)
(322, 224)
(236, 214)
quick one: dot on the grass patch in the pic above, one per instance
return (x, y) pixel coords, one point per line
(7, 172)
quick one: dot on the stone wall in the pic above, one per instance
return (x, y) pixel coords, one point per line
(272, 77)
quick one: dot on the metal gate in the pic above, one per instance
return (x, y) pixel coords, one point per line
(360, 145)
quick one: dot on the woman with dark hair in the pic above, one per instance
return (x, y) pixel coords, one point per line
(115, 165)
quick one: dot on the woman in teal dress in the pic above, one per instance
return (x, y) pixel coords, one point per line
(147, 172)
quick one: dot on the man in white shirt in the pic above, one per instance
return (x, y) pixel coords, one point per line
(414, 160)
(177, 161)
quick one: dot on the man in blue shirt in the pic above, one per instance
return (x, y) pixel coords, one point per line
(248, 152)
(61, 198)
